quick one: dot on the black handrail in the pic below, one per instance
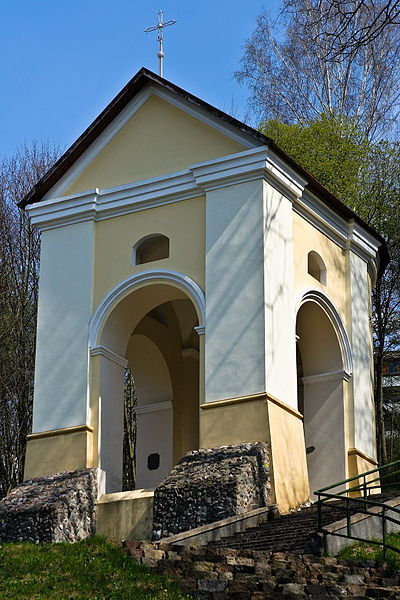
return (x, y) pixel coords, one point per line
(357, 499)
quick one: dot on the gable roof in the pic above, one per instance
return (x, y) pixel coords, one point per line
(142, 78)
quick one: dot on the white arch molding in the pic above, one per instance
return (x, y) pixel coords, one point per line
(134, 282)
(323, 301)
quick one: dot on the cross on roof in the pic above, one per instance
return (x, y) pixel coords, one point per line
(160, 36)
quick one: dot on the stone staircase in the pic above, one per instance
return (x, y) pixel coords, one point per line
(295, 533)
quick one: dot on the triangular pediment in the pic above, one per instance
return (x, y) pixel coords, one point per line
(158, 138)
(154, 135)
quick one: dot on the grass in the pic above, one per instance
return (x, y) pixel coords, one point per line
(90, 570)
(368, 551)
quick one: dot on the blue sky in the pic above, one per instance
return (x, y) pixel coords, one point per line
(62, 61)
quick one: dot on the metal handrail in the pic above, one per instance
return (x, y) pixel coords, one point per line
(363, 504)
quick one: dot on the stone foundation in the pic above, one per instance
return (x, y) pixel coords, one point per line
(54, 508)
(210, 485)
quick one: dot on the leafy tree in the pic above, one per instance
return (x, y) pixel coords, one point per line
(293, 77)
(367, 177)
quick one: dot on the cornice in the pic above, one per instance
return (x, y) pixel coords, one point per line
(110, 355)
(142, 409)
(261, 163)
(98, 204)
(347, 234)
(342, 375)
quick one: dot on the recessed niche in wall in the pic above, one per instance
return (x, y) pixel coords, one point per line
(316, 267)
(150, 248)
(153, 461)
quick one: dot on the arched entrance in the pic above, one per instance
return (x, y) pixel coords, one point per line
(148, 324)
(323, 368)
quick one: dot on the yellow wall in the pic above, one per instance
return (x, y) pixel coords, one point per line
(60, 450)
(183, 222)
(358, 463)
(158, 139)
(223, 423)
(125, 515)
(307, 238)
(261, 418)
(289, 465)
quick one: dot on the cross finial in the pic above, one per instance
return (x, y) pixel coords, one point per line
(160, 36)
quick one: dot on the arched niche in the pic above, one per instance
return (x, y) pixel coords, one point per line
(316, 267)
(322, 370)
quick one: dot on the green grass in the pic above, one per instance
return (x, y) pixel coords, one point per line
(368, 551)
(88, 570)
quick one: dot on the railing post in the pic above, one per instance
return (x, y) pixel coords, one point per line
(365, 494)
(348, 518)
(319, 512)
(384, 532)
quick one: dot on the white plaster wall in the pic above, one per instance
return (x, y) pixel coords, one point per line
(280, 315)
(112, 423)
(234, 340)
(154, 435)
(362, 359)
(154, 414)
(324, 429)
(65, 304)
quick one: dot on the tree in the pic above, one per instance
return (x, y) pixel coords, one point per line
(349, 25)
(293, 78)
(19, 270)
(367, 177)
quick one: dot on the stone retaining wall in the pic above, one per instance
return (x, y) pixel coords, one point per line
(54, 508)
(222, 573)
(210, 485)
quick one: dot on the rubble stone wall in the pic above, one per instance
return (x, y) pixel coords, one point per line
(222, 573)
(211, 484)
(53, 508)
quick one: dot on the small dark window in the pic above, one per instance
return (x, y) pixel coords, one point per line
(153, 461)
(150, 248)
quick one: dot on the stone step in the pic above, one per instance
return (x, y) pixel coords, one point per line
(294, 532)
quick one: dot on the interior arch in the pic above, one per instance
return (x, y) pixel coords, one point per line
(153, 327)
(321, 389)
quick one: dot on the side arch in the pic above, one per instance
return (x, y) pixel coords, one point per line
(136, 281)
(324, 302)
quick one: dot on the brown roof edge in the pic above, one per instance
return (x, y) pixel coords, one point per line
(137, 82)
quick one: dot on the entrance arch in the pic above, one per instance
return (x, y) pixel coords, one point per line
(148, 324)
(324, 366)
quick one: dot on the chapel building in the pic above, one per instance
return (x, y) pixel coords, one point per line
(186, 245)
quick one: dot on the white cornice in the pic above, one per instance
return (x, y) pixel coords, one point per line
(318, 214)
(325, 377)
(110, 355)
(98, 204)
(348, 235)
(258, 163)
(142, 409)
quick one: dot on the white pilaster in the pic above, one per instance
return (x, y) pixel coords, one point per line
(65, 305)
(279, 297)
(234, 341)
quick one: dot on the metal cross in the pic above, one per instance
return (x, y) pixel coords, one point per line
(160, 36)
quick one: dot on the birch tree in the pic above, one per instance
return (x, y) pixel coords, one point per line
(296, 72)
